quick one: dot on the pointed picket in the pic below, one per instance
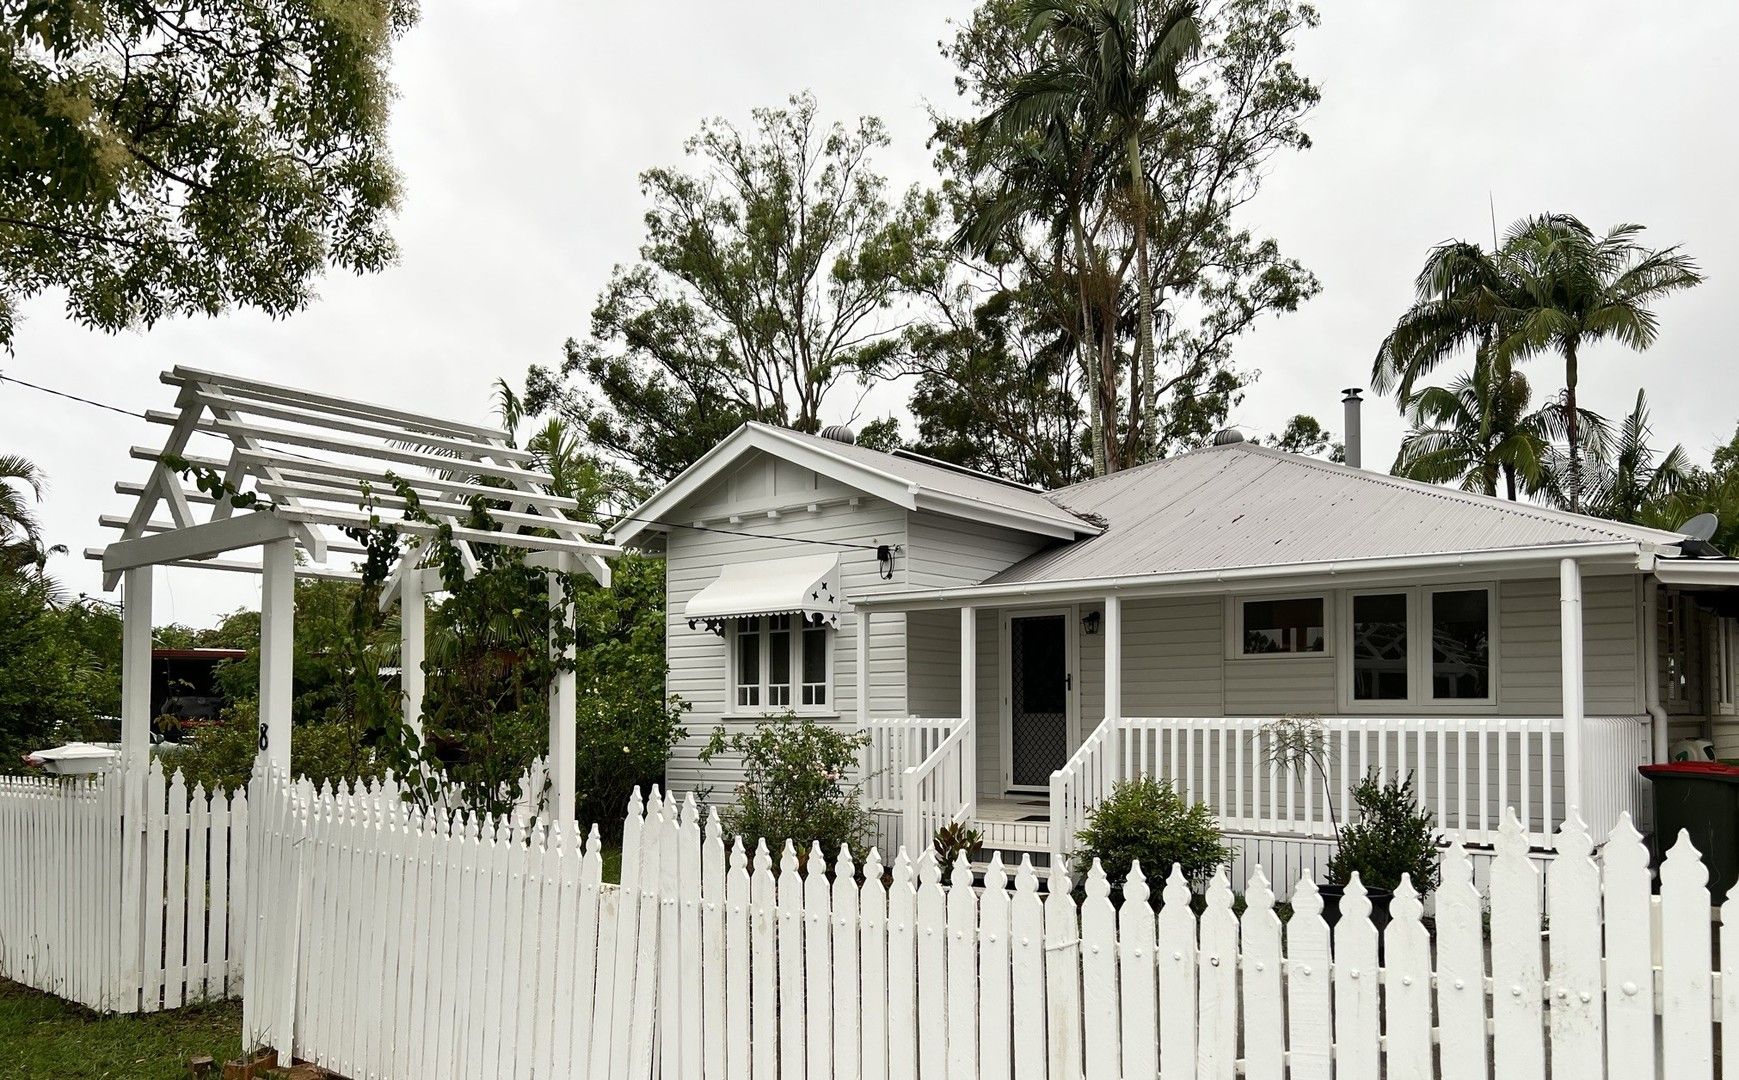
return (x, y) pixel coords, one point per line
(962, 970)
(1177, 952)
(1309, 1003)
(1099, 988)
(642, 1029)
(688, 966)
(1217, 985)
(1137, 990)
(1026, 933)
(612, 1015)
(847, 1008)
(1461, 969)
(818, 964)
(994, 1003)
(763, 968)
(1062, 977)
(1356, 1050)
(737, 964)
(1407, 989)
(902, 972)
(792, 1021)
(1575, 1010)
(587, 953)
(1686, 1009)
(931, 935)
(1516, 968)
(1627, 889)
(1260, 929)
(713, 1003)
(873, 957)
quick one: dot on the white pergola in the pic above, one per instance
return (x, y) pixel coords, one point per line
(308, 456)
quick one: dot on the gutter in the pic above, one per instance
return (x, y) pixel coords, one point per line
(1630, 551)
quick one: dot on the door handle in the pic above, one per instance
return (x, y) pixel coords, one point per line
(1068, 681)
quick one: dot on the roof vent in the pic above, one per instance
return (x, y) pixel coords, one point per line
(840, 433)
(1228, 436)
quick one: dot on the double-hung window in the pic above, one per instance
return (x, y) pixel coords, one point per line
(1421, 646)
(780, 662)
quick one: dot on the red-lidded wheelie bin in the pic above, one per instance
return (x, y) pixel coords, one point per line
(1702, 798)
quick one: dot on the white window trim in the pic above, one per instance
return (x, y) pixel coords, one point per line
(1419, 681)
(1234, 623)
(733, 710)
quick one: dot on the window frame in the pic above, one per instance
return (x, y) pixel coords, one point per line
(1234, 644)
(734, 631)
(1421, 686)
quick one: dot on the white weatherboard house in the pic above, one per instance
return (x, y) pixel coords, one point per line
(1014, 652)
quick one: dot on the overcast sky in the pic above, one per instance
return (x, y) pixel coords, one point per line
(521, 128)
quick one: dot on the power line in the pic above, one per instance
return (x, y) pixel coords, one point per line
(506, 494)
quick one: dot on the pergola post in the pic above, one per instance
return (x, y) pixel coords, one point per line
(135, 760)
(277, 650)
(136, 671)
(564, 701)
(968, 663)
(1570, 635)
(413, 645)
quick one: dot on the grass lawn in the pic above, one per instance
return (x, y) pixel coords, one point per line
(45, 1038)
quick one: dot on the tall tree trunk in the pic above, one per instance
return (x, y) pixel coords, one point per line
(1144, 438)
(1510, 481)
(1089, 360)
(1570, 426)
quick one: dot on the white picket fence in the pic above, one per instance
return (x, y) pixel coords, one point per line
(395, 945)
(118, 918)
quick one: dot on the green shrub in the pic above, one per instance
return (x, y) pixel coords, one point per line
(1145, 819)
(1393, 835)
(796, 785)
(222, 757)
(952, 841)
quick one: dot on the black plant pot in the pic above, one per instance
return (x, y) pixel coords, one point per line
(1331, 898)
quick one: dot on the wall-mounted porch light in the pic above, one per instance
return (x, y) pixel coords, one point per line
(1090, 623)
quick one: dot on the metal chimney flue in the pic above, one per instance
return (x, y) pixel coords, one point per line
(1354, 435)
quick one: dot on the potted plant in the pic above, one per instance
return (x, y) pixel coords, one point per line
(1392, 834)
(1146, 819)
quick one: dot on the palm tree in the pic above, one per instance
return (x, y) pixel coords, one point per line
(1460, 298)
(1107, 62)
(1625, 479)
(1575, 289)
(20, 533)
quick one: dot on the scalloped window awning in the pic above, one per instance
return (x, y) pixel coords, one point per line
(806, 585)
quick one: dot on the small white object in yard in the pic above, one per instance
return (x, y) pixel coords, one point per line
(74, 759)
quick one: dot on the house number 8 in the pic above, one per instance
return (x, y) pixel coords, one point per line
(264, 741)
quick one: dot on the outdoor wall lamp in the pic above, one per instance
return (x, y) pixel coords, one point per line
(1090, 624)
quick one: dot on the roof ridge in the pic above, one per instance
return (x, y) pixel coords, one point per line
(1469, 498)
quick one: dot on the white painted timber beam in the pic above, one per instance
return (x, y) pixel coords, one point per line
(429, 486)
(237, 386)
(338, 422)
(198, 541)
(564, 562)
(343, 518)
(438, 508)
(238, 429)
(564, 702)
(243, 566)
(115, 521)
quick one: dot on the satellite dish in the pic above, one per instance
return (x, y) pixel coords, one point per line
(1701, 527)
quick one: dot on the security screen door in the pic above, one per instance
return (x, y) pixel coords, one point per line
(1038, 698)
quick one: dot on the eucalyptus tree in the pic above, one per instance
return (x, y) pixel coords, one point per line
(1203, 154)
(770, 275)
(1576, 289)
(185, 158)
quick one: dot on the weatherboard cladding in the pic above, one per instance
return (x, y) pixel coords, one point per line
(1243, 505)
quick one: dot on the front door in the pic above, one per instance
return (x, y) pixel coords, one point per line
(1039, 687)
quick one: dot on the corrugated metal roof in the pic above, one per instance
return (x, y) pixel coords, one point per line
(949, 480)
(1243, 505)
